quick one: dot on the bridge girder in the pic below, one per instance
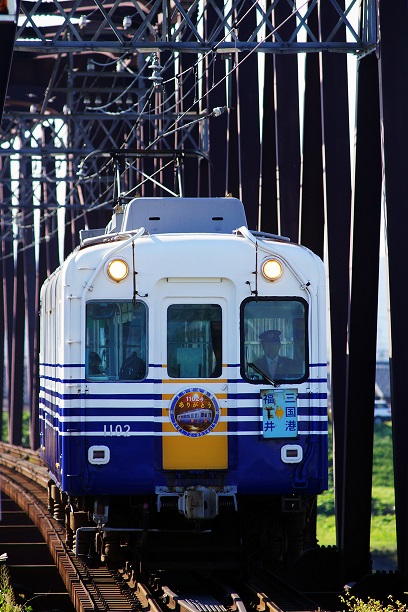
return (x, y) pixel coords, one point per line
(182, 26)
(93, 49)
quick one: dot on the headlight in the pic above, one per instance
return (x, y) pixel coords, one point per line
(272, 269)
(117, 270)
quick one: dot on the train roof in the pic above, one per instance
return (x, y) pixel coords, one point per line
(184, 215)
(169, 215)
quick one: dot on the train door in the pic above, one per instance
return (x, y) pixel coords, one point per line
(50, 407)
(194, 393)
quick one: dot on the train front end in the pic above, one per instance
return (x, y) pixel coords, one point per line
(187, 380)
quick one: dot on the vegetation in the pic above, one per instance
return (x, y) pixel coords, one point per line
(371, 605)
(25, 436)
(383, 536)
(7, 598)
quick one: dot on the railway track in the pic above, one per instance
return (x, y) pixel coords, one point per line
(24, 481)
(32, 571)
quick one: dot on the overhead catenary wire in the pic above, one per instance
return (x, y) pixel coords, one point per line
(171, 129)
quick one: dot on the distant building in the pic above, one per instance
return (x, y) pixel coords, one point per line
(382, 381)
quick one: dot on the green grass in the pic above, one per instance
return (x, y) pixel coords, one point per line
(383, 536)
(7, 596)
(25, 437)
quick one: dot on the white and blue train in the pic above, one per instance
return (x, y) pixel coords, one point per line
(197, 416)
(177, 309)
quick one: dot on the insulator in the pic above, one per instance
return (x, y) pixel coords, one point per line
(59, 513)
(83, 21)
(127, 22)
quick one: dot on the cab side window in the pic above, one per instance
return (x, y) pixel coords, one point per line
(194, 341)
(116, 341)
(274, 342)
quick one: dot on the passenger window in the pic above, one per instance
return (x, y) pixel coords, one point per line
(194, 341)
(274, 343)
(116, 341)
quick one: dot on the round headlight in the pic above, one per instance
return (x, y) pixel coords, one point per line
(117, 270)
(272, 269)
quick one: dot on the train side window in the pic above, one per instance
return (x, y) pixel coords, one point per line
(194, 340)
(274, 340)
(116, 341)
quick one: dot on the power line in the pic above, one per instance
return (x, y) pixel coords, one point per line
(173, 128)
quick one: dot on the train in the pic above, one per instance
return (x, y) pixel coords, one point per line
(183, 386)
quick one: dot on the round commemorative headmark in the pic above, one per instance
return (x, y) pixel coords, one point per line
(194, 412)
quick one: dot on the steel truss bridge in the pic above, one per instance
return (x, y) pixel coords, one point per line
(244, 97)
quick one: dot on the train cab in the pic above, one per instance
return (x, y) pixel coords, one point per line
(183, 364)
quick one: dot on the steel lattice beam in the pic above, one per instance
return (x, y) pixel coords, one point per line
(99, 85)
(109, 132)
(165, 25)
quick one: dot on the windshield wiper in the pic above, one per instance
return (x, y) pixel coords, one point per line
(261, 373)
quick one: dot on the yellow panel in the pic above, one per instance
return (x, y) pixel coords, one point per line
(209, 452)
(206, 453)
